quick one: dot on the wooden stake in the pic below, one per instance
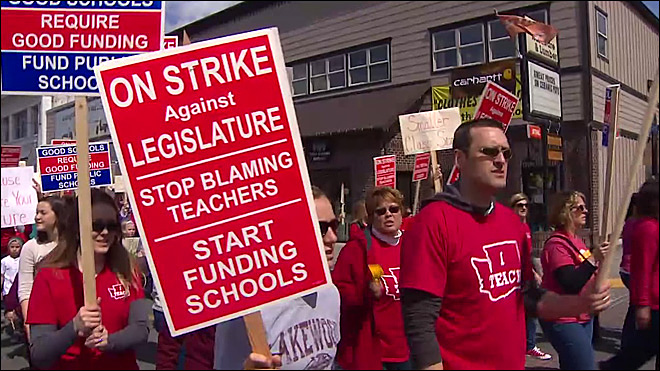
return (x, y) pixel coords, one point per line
(85, 202)
(416, 204)
(609, 173)
(257, 334)
(186, 39)
(437, 183)
(606, 266)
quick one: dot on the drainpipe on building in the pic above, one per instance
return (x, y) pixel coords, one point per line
(46, 104)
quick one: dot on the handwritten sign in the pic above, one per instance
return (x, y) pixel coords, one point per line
(217, 158)
(385, 171)
(19, 199)
(429, 131)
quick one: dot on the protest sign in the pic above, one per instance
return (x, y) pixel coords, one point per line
(51, 47)
(19, 199)
(170, 42)
(58, 166)
(421, 171)
(59, 142)
(496, 103)
(429, 131)
(224, 171)
(10, 156)
(385, 171)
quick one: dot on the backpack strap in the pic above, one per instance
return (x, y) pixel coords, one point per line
(570, 243)
(367, 235)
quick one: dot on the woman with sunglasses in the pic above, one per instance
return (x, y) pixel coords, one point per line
(366, 274)
(568, 266)
(520, 204)
(67, 333)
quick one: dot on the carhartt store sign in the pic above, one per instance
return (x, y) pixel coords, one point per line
(471, 81)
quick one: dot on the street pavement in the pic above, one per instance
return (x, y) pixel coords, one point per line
(13, 354)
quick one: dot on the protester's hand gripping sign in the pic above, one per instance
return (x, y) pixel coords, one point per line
(207, 139)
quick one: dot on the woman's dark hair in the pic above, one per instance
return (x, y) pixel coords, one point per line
(647, 199)
(61, 206)
(117, 258)
(631, 207)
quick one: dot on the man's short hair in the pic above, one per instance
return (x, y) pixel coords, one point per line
(462, 136)
(318, 193)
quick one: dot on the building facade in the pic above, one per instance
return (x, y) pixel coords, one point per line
(356, 66)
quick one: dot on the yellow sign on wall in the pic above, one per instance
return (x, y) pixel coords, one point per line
(442, 100)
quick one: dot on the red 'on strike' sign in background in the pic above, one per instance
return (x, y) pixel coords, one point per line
(208, 141)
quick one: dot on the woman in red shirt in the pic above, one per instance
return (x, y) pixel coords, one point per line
(367, 276)
(66, 333)
(359, 223)
(568, 266)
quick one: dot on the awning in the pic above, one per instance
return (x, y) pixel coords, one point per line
(374, 109)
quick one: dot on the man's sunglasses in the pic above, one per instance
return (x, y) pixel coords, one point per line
(522, 204)
(334, 224)
(495, 151)
(383, 210)
(99, 225)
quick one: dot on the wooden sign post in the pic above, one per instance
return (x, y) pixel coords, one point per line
(437, 182)
(606, 266)
(85, 201)
(609, 173)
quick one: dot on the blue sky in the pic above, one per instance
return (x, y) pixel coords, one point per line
(653, 5)
(179, 13)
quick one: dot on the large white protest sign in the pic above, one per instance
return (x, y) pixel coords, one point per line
(429, 131)
(19, 199)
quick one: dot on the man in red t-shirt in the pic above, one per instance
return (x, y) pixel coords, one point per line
(469, 256)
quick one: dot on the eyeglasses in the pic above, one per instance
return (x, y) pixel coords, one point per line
(99, 225)
(383, 210)
(580, 208)
(495, 151)
(334, 224)
(522, 205)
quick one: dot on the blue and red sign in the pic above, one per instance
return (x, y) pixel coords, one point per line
(58, 166)
(51, 47)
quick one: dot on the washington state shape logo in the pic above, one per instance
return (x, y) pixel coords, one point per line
(391, 283)
(118, 292)
(499, 273)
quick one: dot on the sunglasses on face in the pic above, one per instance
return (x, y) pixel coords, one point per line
(383, 210)
(495, 151)
(99, 225)
(522, 205)
(334, 224)
(580, 208)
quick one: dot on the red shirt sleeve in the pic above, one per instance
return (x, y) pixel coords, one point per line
(556, 254)
(643, 252)
(41, 307)
(350, 274)
(424, 253)
(528, 267)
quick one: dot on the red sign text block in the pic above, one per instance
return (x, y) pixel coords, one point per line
(10, 156)
(496, 103)
(215, 171)
(422, 162)
(385, 171)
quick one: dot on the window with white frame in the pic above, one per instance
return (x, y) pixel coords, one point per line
(459, 47)
(300, 85)
(538, 15)
(502, 46)
(369, 65)
(601, 33)
(339, 71)
(5, 129)
(20, 124)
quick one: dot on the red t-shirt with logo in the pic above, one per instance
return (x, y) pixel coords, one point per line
(475, 263)
(558, 253)
(56, 297)
(387, 309)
